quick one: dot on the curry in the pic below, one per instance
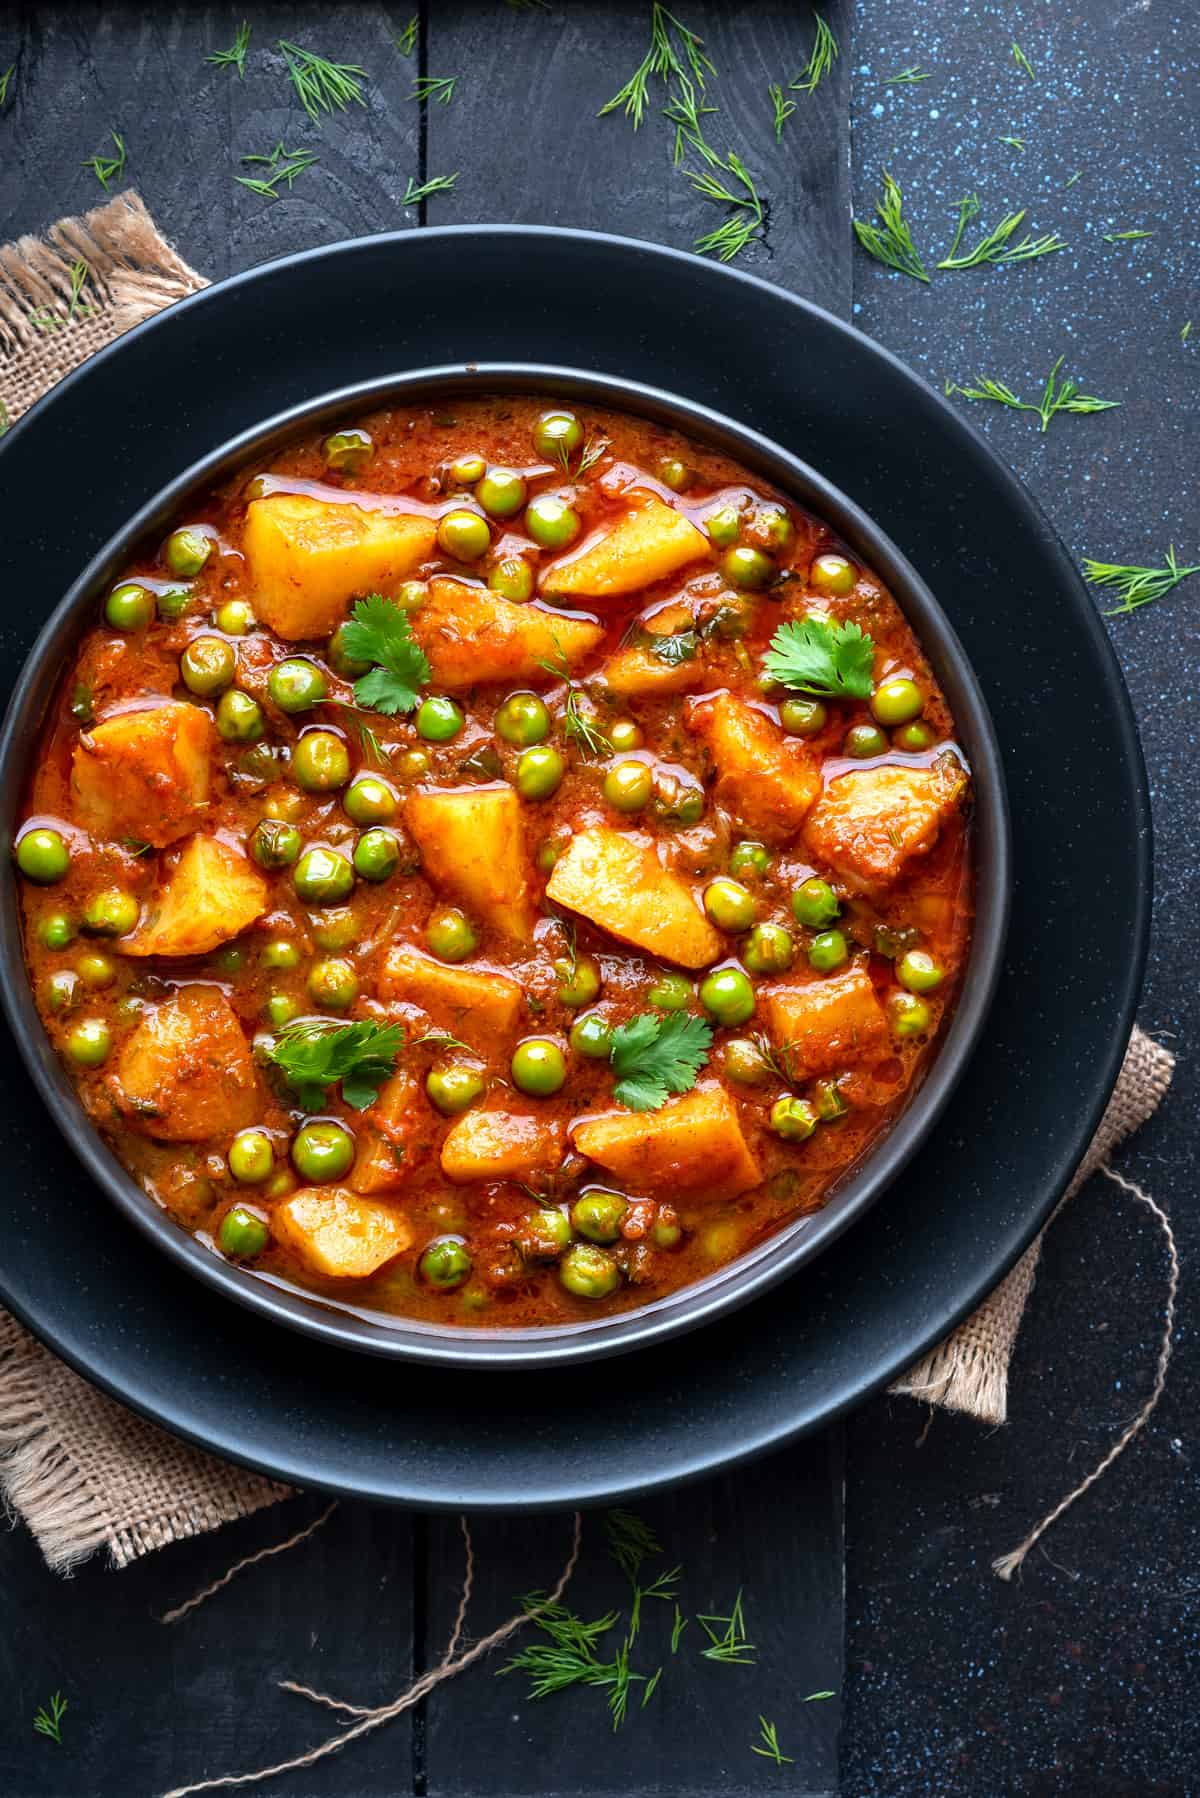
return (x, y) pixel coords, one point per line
(497, 865)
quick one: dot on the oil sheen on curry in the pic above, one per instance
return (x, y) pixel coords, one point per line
(495, 865)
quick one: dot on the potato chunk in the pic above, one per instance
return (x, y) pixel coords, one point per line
(471, 634)
(619, 883)
(186, 1073)
(637, 668)
(650, 542)
(827, 1024)
(393, 1137)
(211, 894)
(767, 782)
(480, 1009)
(501, 1145)
(336, 1233)
(144, 774)
(473, 846)
(308, 556)
(695, 1142)
(869, 826)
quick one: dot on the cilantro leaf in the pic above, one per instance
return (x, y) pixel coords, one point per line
(653, 1056)
(313, 1054)
(378, 631)
(834, 661)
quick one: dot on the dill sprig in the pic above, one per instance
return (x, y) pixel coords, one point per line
(1057, 396)
(745, 223)
(322, 86)
(1136, 585)
(1126, 236)
(996, 247)
(593, 451)
(108, 168)
(914, 72)
(1022, 61)
(284, 165)
(48, 1718)
(568, 1658)
(732, 1645)
(578, 725)
(662, 59)
(770, 1749)
(784, 108)
(824, 55)
(677, 1628)
(1014, 143)
(406, 42)
(1070, 182)
(684, 110)
(1186, 332)
(437, 184)
(438, 89)
(630, 1542)
(6, 80)
(890, 241)
(235, 56)
(44, 319)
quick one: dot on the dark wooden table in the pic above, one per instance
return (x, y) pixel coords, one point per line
(1082, 1676)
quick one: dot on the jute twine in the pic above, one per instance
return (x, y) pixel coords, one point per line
(84, 1473)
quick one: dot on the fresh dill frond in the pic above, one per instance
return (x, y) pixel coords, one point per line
(6, 81)
(629, 1541)
(662, 60)
(593, 451)
(1137, 586)
(1014, 143)
(437, 184)
(46, 319)
(406, 42)
(373, 750)
(568, 1658)
(769, 1748)
(824, 55)
(744, 226)
(322, 86)
(108, 168)
(235, 56)
(1072, 179)
(997, 247)
(684, 110)
(1057, 396)
(283, 165)
(906, 76)
(814, 1696)
(48, 1718)
(651, 1687)
(1186, 332)
(1022, 61)
(677, 1628)
(578, 725)
(731, 1646)
(890, 241)
(783, 107)
(436, 88)
(1126, 236)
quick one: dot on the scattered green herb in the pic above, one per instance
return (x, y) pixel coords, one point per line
(108, 168)
(824, 55)
(732, 1645)
(569, 1658)
(1126, 236)
(406, 42)
(906, 76)
(745, 224)
(284, 165)
(1186, 332)
(783, 107)
(441, 1039)
(630, 1541)
(814, 1696)
(890, 241)
(996, 248)
(815, 655)
(322, 86)
(48, 1719)
(369, 743)
(235, 56)
(577, 724)
(437, 184)
(685, 109)
(1137, 586)
(770, 1749)
(663, 1585)
(651, 1687)
(45, 319)
(1014, 143)
(1022, 61)
(1057, 396)
(677, 1629)
(1070, 182)
(314, 1054)
(654, 1056)
(661, 59)
(436, 88)
(378, 631)
(6, 80)
(596, 447)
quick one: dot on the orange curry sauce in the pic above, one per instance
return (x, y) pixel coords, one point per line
(167, 959)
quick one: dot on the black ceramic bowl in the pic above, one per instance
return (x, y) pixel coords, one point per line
(772, 1260)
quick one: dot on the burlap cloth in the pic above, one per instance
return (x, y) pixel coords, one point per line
(82, 1471)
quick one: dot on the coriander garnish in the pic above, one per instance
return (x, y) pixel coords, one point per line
(283, 165)
(824, 55)
(770, 1750)
(378, 631)
(745, 224)
(654, 1056)
(437, 184)
(815, 655)
(1057, 396)
(890, 241)
(1136, 585)
(1022, 61)
(48, 1719)
(436, 88)
(322, 86)
(661, 59)
(108, 168)
(783, 108)
(235, 56)
(996, 248)
(407, 40)
(314, 1054)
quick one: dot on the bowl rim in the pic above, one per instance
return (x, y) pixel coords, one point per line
(787, 1249)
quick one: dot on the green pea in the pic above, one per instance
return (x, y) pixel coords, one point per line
(464, 535)
(173, 602)
(320, 762)
(56, 930)
(251, 1157)
(280, 955)
(523, 719)
(907, 1014)
(544, 1235)
(187, 550)
(445, 1263)
(624, 734)
(591, 1036)
(467, 469)
(322, 1151)
(588, 1272)
(557, 433)
(768, 949)
(728, 904)
(235, 618)
(914, 737)
(578, 980)
(454, 1086)
(728, 996)
(111, 912)
(274, 844)
(828, 952)
(864, 740)
(242, 1232)
(551, 522)
(539, 772)
(451, 935)
(628, 786)
(129, 607)
(501, 492)
(347, 451)
(832, 575)
(919, 972)
(746, 567)
(60, 990)
(814, 903)
(83, 707)
(348, 666)
(332, 984)
(674, 474)
(414, 764)
(239, 718)
(369, 800)
(723, 526)
(749, 858)
(208, 665)
(336, 930)
(96, 969)
(412, 595)
(263, 762)
(280, 1009)
(548, 853)
(670, 992)
(43, 856)
(322, 877)
(438, 720)
(830, 1104)
(539, 1067)
(597, 1214)
(377, 854)
(297, 685)
(665, 1232)
(745, 1063)
(89, 1042)
(793, 1119)
(771, 528)
(897, 701)
(803, 717)
(512, 578)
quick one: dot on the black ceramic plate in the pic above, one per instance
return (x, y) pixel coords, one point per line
(179, 386)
